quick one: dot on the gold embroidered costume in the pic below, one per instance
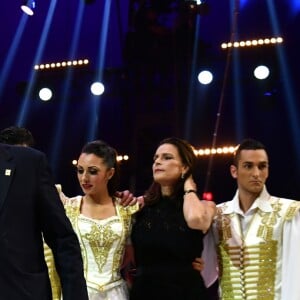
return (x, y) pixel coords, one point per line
(255, 256)
(102, 245)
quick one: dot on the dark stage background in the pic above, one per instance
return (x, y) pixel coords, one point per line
(148, 55)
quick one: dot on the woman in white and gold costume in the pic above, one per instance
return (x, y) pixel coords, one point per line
(102, 224)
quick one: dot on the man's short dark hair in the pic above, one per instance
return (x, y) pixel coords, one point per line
(247, 144)
(15, 135)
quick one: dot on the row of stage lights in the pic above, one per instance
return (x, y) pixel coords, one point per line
(215, 151)
(253, 43)
(204, 77)
(63, 64)
(198, 152)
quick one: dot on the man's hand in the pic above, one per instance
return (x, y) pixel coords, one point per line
(198, 264)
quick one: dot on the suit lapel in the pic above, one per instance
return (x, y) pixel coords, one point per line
(7, 169)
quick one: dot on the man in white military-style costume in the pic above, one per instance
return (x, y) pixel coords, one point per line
(256, 235)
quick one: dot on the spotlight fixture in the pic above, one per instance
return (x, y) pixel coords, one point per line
(197, 6)
(28, 7)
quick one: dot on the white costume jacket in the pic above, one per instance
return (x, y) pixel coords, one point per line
(258, 253)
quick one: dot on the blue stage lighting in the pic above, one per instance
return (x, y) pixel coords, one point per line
(28, 7)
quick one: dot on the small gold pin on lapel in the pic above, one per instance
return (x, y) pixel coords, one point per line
(7, 172)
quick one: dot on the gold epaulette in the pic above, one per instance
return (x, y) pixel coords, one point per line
(292, 210)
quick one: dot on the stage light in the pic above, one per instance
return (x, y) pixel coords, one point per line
(45, 94)
(97, 88)
(28, 7)
(208, 196)
(122, 157)
(205, 77)
(197, 6)
(261, 72)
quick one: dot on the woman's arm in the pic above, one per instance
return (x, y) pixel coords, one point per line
(198, 214)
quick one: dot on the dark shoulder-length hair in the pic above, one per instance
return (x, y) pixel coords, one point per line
(188, 157)
(109, 157)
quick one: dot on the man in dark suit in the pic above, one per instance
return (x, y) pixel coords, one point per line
(30, 209)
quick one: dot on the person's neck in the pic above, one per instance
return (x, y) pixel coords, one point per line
(100, 199)
(246, 200)
(166, 190)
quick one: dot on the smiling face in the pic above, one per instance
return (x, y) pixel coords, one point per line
(167, 166)
(93, 174)
(251, 172)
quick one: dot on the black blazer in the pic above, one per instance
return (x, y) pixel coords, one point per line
(30, 209)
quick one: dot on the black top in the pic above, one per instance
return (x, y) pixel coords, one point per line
(165, 248)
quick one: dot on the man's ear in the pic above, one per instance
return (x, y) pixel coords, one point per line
(233, 171)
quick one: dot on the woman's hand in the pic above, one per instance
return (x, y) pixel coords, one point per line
(127, 199)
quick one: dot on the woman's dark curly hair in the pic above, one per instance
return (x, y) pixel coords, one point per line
(188, 157)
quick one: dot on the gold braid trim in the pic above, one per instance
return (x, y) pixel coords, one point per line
(54, 278)
(248, 271)
(292, 210)
(223, 224)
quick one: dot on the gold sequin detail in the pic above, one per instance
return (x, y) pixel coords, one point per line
(101, 239)
(249, 271)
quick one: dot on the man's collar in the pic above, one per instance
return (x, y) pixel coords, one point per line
(261, 202)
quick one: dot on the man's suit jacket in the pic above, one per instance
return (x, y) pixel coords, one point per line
(30, 209)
